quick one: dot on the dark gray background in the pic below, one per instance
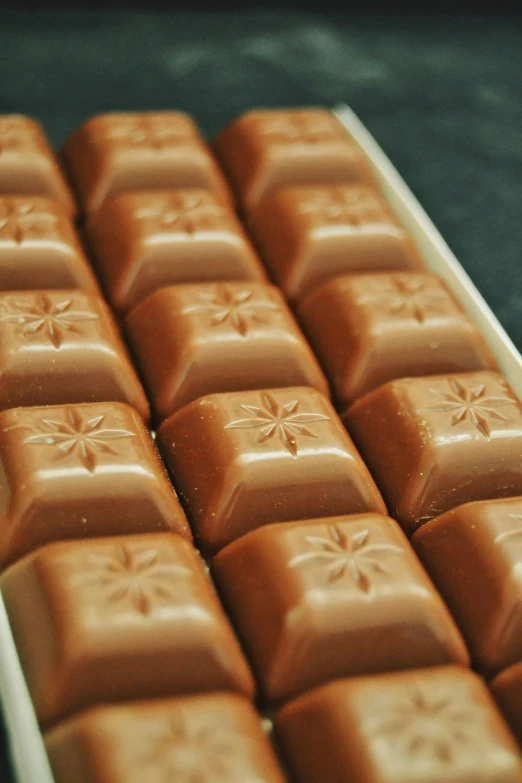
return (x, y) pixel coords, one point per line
(441, 94)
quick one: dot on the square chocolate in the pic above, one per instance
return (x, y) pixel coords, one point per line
(474, 555)
(307, 235)
(219, 338)
(143, 241)
(507, 690)
(245, 459)
(435, 725)
(435, 442)
(369, 329)
(119, 152)
(80, 471)
(333, 598)
(119, 619)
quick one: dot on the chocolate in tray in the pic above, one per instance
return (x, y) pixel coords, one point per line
(260, 473)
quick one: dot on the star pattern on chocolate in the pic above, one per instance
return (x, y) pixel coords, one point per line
(421, 728)
(45, 317)
(188, 214)
(20, 221)
(472, 405)
(281, 421)
(514, 533)
(16, 134)
(350, 555)
(408, 297)
(300, 128)
(344, 206)
(146, 132)
(133, 577)
(237, 308)
(76, 435)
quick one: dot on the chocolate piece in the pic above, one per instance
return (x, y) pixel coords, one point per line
(308, 235)
(39, 247)
(119, 618)
(78, 471)
(219, 338)
(369, 329)
(267, 149)
(351, 587)
(430, 726)
(246, 459)
(507, 690)
(28, 166)
(143, 241)
(474, 555)
(433, 443)
(118, 152)
(197, 739)
(63, 347)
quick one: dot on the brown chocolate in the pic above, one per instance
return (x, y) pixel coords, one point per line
(369, 329)
(507, 690)
(119, 152)
(28, 166)
(430, 726)
(435, 442)
(80, 471)
(219, 338)
(116, 619)
(245, 459)
(333, 598)
(39, 247)
(143, 241)
(214, 738)
(272, 148)
(63, 347)
(474, 555)
(308, 235)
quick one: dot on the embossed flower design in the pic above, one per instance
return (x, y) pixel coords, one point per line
(284, 422)
(135, 577)
(146, 132)
(21, 221)
(45, 317)
(409, 297)
(342, 555)
(238, 308)
(342, 206)
(472, 405)
(188, 214)
(514, 533)
(300, 128)
(76, 435)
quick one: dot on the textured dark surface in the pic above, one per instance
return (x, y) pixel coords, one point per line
(442, 95)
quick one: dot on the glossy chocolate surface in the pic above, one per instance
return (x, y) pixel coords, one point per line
(268, 149)
(308, 235)
(80, 471)
(433, 443)
(474, 555)
(28, 166)
(39, 247)
(245, 459)
(333, 598)
(213, 738)
(119, 618)
(119, 152)
(143, 241)
(63, 347)
(369, 329)
(507, 690)
(428, 726)
(219, 338)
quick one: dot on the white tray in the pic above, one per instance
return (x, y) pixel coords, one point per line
(27, 749)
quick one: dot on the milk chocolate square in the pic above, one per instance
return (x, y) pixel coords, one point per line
(214, 738)
(119, 152)
(333, 598)
(219, 338)
(429, 726)
(474, 555)
(245, 459)
(119, 619)
(435, 442)
(80, 471)
(266, 149)
(369, 329)
(507, 690)
(63, 347)
(143, 241)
